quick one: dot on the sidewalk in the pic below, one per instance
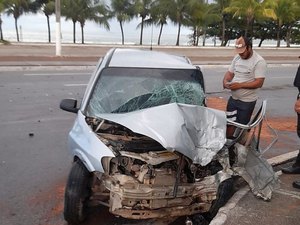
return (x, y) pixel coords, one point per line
(243, 208)
(283, 209)
(30, 54)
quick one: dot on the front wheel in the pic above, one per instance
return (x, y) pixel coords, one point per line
(225, 192)
(77, 193)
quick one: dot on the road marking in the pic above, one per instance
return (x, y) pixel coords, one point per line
(74, 85)
(57, 74)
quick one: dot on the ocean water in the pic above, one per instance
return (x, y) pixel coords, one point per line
(33, 28)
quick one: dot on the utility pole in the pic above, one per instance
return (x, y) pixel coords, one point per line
(58, 28)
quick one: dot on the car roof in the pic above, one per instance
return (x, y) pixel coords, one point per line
(125, 57)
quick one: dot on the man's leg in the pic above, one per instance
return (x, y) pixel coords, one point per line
(231, 114)
(244, 112)
(295, 168)
(238, 111)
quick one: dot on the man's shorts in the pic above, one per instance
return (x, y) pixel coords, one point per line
(239, 111)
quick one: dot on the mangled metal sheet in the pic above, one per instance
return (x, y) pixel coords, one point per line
(195, 131)
(256, 171)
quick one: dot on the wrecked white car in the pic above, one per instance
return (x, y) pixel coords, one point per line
(146, 146)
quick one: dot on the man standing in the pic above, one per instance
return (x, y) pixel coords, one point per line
(245, 75)
(295, 168)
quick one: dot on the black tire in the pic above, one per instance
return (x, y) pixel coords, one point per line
(77, 193)
(199, 219)
(225, 192)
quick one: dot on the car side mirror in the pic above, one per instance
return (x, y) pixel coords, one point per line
(69, 105)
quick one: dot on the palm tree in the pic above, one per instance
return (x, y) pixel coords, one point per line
(1, 10)
(196, 20)
(286, 13)
(16, 8)
(178, 13)
(200, 15)
(103, 14)
(265, 30)
(71, 10)
(123, 11)
(142, 8)
(48, 8)
(81, 11)
(158, 17)
(222, 4)
(99, 14)
(247, 9)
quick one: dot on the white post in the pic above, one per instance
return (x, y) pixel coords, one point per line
(58, 28)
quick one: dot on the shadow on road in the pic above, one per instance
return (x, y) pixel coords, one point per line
(101, 215)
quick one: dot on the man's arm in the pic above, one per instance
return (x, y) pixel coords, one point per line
(256, 83)
(227, 79)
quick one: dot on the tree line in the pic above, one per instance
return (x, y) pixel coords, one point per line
(222, 20)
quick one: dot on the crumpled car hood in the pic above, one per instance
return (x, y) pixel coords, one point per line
(195, 131)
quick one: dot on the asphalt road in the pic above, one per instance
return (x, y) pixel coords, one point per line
(34, 158)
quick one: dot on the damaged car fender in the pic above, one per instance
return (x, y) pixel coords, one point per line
(81, 137)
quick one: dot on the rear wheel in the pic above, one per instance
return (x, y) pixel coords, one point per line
(77, 193)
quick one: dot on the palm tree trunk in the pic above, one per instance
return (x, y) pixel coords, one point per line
(160, 32)
(74, 32)
(82, 33)
(288, 36)
(223, 31)
(204, 36)
(142, 29)
(251, 23)
(122, 32)
(178, 34)
(1, 33)
(49, 31)
(194, 37)
(197, 36)
(17, 31)
(278, 35)
(226, 41)
(246, 30)
(260, 43)
(252, 27)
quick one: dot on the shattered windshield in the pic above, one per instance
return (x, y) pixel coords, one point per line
(120, 90)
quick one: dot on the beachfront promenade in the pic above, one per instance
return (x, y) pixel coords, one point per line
(77, 54)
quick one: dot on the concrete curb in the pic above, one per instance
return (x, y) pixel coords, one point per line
(47, 68)
(277, 160)
(91, 66)
(224, 211)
